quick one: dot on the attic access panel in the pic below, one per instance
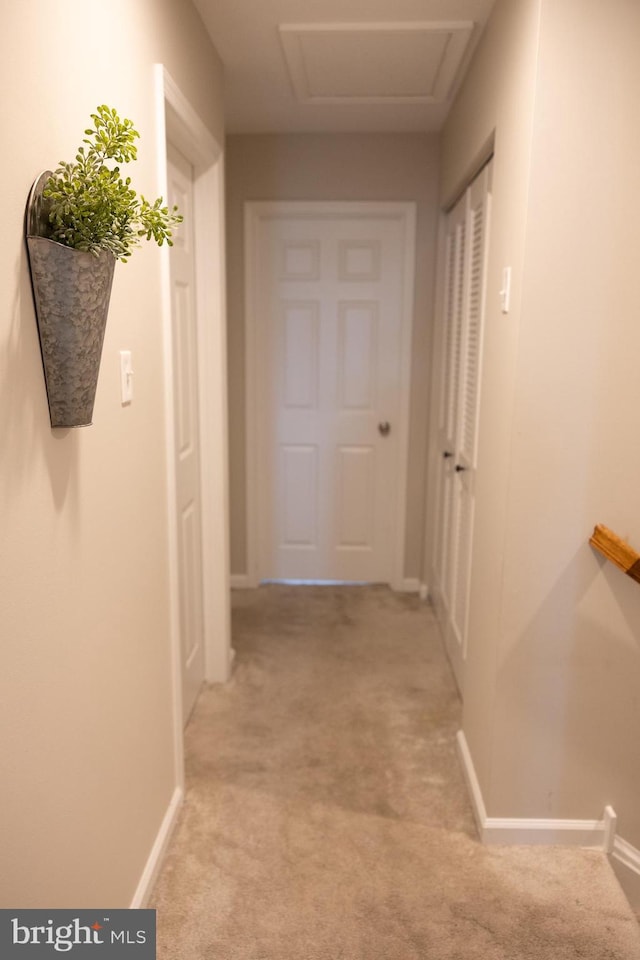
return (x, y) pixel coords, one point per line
(374, 62)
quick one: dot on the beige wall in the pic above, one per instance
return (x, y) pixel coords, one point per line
(332, 167)
(551, 701)
(86, 751)
(571, 631)
(496, 102)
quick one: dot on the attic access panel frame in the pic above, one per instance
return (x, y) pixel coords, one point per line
(369, 63)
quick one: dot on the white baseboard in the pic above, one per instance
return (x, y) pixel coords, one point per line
(514, 830)
(625, 861)
(241, 581)
(627, 855)
(158, 850)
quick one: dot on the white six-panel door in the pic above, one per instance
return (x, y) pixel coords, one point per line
(466, 238)
(332, 327)
(186, 417)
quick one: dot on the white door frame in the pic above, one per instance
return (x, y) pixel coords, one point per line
(255, 212)
(177, 121)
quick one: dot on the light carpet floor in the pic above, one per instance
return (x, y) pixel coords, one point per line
(326, 816)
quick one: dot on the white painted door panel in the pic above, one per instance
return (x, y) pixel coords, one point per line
(330, 332)
(186, 417)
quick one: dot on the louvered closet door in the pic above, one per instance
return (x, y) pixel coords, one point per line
(451, 345)
(463, 322)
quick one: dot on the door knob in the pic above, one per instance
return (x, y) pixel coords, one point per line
(447, 454)
(460, 468)
(384, 428)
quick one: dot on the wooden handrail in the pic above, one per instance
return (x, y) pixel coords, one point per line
(611, 546)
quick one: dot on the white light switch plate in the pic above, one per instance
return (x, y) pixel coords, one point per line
(126, 377)
(505, 293)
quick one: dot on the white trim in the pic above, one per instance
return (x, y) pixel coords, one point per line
(158, 850)
(251, 395)
(174, 602)
(525, 831)
(610, 821)
(212, 354)
(626, 854)
(293, 36)
(254, 213)
(186, 130)
(625, 863)
(515, 830)
(199, 144)
(408, 212)
(293, 582)
(177, 121)
(473, 786)
(424, 592)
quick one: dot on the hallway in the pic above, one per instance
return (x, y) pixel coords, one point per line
(326, 817)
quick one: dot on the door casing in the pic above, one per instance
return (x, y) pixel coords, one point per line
(177, 122)
(405, 212)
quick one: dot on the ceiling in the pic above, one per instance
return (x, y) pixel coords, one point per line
(342, 65)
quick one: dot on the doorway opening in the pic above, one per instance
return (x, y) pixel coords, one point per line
(329, 295)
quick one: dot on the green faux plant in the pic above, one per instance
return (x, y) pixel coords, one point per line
(91, 207)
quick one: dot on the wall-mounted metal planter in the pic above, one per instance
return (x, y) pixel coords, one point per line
(71, 291)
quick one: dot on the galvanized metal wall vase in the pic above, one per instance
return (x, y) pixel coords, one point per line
(71, 290)
(80, 220)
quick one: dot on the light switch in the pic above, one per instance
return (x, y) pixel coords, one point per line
(126, 377)
(505, 293)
